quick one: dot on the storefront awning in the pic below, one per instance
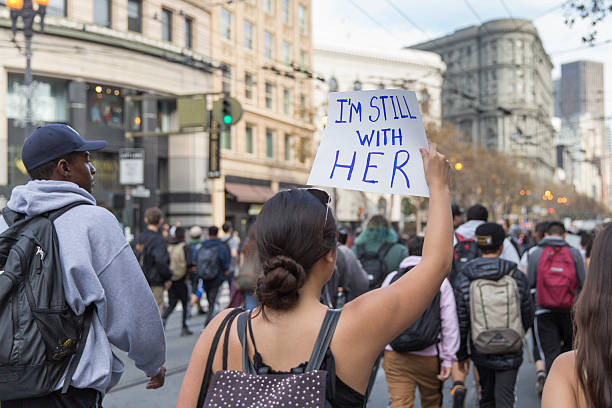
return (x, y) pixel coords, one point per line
(246, 193)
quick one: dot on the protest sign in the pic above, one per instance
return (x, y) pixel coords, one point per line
(371, 143)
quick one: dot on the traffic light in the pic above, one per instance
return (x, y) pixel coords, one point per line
(226, 110)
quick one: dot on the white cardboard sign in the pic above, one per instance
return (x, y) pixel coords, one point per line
(371, 143)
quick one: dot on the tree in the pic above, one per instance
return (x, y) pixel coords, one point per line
(595, 11)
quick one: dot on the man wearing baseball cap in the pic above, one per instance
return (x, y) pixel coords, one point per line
(98, 266)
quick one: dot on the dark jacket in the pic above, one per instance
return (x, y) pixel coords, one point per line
(223, 254)
(156, 262)
(534, 258)
(493, 269)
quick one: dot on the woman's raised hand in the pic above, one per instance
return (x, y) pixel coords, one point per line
(437, 170)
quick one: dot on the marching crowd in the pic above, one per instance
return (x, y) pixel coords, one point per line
(314, 310)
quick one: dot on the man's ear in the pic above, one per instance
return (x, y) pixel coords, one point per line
(63, 168)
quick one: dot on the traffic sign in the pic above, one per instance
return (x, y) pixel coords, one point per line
(227, 111)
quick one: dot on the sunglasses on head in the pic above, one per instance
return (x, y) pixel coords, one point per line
(324, 198)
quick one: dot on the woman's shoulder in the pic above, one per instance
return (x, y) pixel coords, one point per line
(562, 383)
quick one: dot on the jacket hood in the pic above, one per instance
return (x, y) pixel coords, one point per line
(382, 235)
(468, 229)
(40, 196)
(488, 268)
(553, 241)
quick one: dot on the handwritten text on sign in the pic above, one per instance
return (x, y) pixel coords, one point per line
(371, 143)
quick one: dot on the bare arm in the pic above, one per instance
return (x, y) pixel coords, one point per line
(374, 319)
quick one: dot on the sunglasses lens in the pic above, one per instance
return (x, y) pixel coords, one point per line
(320, 194)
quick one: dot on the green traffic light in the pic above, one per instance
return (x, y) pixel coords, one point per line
(227, 119)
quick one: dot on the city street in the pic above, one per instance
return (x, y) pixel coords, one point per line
(131, 390)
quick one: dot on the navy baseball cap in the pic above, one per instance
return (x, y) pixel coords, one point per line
(51, 142)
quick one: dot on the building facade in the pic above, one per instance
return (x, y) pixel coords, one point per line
(265, 47)
(91, 57)
(498, 89)
(348, 69)
(582, 111)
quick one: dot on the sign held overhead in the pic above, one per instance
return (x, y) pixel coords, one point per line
(371, 143)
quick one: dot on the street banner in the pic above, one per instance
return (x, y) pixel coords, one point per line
(371, 143)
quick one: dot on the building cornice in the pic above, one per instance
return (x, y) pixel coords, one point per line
(94, 33)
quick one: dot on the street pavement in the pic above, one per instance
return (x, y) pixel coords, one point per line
(131, 392)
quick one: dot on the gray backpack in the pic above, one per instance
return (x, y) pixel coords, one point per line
(41, 338)
(495, 314)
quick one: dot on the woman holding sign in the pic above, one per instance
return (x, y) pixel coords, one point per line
(296, 240)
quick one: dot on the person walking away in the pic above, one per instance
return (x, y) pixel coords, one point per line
(581, 378)
(457, 216)
(212, 263)
(194, 242)
(556, 271)
(232, 243)
(249, 270)
(150, 246)
(510, 236)
(539, 234)
(80, 262)
(378, 251)
(423, 354)
(297, 244)
(494, 310)
(181, 265)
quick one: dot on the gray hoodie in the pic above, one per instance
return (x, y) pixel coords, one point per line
(468, 231)
(99, 267)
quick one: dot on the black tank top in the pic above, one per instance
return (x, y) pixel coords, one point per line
(337, 392)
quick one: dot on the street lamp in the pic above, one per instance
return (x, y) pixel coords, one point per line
(25, 10)
(458, 166)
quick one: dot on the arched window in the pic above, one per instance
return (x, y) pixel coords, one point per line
(333, 84)
(357, 86)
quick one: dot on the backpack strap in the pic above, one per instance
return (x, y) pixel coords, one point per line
(328, 327)
(360, 249)
(226, 322)
(247, 366)
(88, 317)
(11, 217)
(55, 214)
(384, 249)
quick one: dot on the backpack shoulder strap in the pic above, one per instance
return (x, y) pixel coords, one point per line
(88, 317)
(360, 250)
(323, 339)
(227, 322)
(385, 248)
(54, 215)
(11, 217)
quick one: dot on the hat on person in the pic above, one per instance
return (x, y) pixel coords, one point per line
(456, 210)
(195, 232)
(490, 236)
(53, 141)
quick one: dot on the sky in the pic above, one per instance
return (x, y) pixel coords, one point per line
(377, 24)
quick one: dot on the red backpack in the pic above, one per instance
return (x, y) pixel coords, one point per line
(556, 282)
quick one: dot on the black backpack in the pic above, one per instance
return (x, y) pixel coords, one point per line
(40, 333)
(425, 331)
(207, 263)
(464, 251)
(374, 263)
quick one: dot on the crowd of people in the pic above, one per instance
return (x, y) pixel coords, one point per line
(313, 310)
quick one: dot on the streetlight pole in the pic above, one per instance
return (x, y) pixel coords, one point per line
(25, 10)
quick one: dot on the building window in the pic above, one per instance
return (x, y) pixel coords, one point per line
(166, 20)
(287, 101)
(49, 99)
(134, 11)
(287, 147)
(286, 11)
(302, 18)
(268, 45)
(357, 86)
(57, 8)
(226, 139)
(188, 32)
(226, 24)
(102, 12)
(248, 86)
(269, 143)
(269, 95)
(105, 106)
(226, 83)
(248, 35)
(268, 6)
(303, 60)
(286, 53)
(333, 84)
(248, 142)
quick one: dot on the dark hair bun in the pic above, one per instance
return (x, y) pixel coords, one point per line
(278, 287)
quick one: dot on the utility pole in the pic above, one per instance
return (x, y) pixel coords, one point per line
(25, 10)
